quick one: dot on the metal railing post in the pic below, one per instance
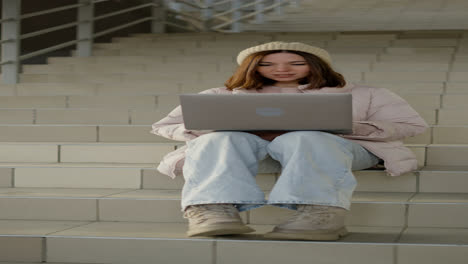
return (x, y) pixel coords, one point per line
(158, 13)
(11, 34)
(279, 8)
(207, 14)
(85, 29)
(236, 26)
(259, 17)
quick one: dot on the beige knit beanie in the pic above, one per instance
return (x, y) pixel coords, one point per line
(279, 45)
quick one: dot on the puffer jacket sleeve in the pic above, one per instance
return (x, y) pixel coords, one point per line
(172, 126)
(389, 118)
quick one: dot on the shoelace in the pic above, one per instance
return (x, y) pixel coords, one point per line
(314, 214)
(201, 213)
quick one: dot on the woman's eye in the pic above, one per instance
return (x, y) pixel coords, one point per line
(264, 65)
(298, 64)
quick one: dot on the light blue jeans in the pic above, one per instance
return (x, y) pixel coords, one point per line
(220, 167)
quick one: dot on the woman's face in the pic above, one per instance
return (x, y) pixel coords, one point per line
(283, 67)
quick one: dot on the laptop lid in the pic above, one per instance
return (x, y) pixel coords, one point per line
(250, 112)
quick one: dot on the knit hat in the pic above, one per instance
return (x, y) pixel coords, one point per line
(279, 45)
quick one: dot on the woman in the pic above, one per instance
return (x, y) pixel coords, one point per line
(316, 179)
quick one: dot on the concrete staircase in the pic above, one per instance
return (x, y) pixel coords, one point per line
(366, 15)
(77, 162)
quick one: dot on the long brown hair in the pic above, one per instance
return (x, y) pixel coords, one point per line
(247, 77)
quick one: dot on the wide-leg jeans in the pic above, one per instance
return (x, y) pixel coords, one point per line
(220, 167)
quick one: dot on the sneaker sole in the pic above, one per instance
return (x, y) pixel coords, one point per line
(219, 230)
(319, 235)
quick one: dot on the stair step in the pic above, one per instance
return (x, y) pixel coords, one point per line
(55, 89)
(112, 60)
(461, 58)
(148, 43)
(436, 58)
(359, 43)
(140, 133)
(378, 22)
(425, 42)
(185, 36)
(147, 117)
(134, 152)
(453, 87)
(170, 99)
(85, 152)
(455, 101)
(82, 116)
(368, 209)
(446, 155)
(101, 78)
(437, 154)
(448, 117)
(354, 50)
(409, 87)
(405, 76)
(424, 34)
(389, 66)
(460, 66)
(114, 242)
(458, 76)
(123, 69)
(174, 86)
(410, 51)
(433, 179)
(145, 176)
(90, 89)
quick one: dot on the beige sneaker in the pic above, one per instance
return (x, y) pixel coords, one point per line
(214, 219)
(312, 222)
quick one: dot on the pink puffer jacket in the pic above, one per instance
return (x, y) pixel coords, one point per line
(381, 120)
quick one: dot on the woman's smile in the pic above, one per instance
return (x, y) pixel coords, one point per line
(283, 75)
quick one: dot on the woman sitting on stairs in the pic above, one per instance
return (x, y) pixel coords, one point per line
(316, 179)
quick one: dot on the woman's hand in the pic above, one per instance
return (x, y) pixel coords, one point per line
(267, 135)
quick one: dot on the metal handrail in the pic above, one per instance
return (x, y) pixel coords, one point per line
(70, 43)
(6, 20)
(47, 50)
(123, 11)
(107, 31)
(6, 62)
(220, 15)
(51, 29)
(201, 6)
(238, 8)
(220, 3)
(246, 16)
(99, 1)
(192, 4)
(6, 41)
(187, 15)
(53, 10)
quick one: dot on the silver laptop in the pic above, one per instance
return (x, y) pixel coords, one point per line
(248, 112)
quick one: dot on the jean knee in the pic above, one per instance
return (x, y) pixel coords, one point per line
(221, 136)
(304, 137)
(231, 140)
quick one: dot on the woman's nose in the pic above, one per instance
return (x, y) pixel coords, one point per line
(282, 67)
